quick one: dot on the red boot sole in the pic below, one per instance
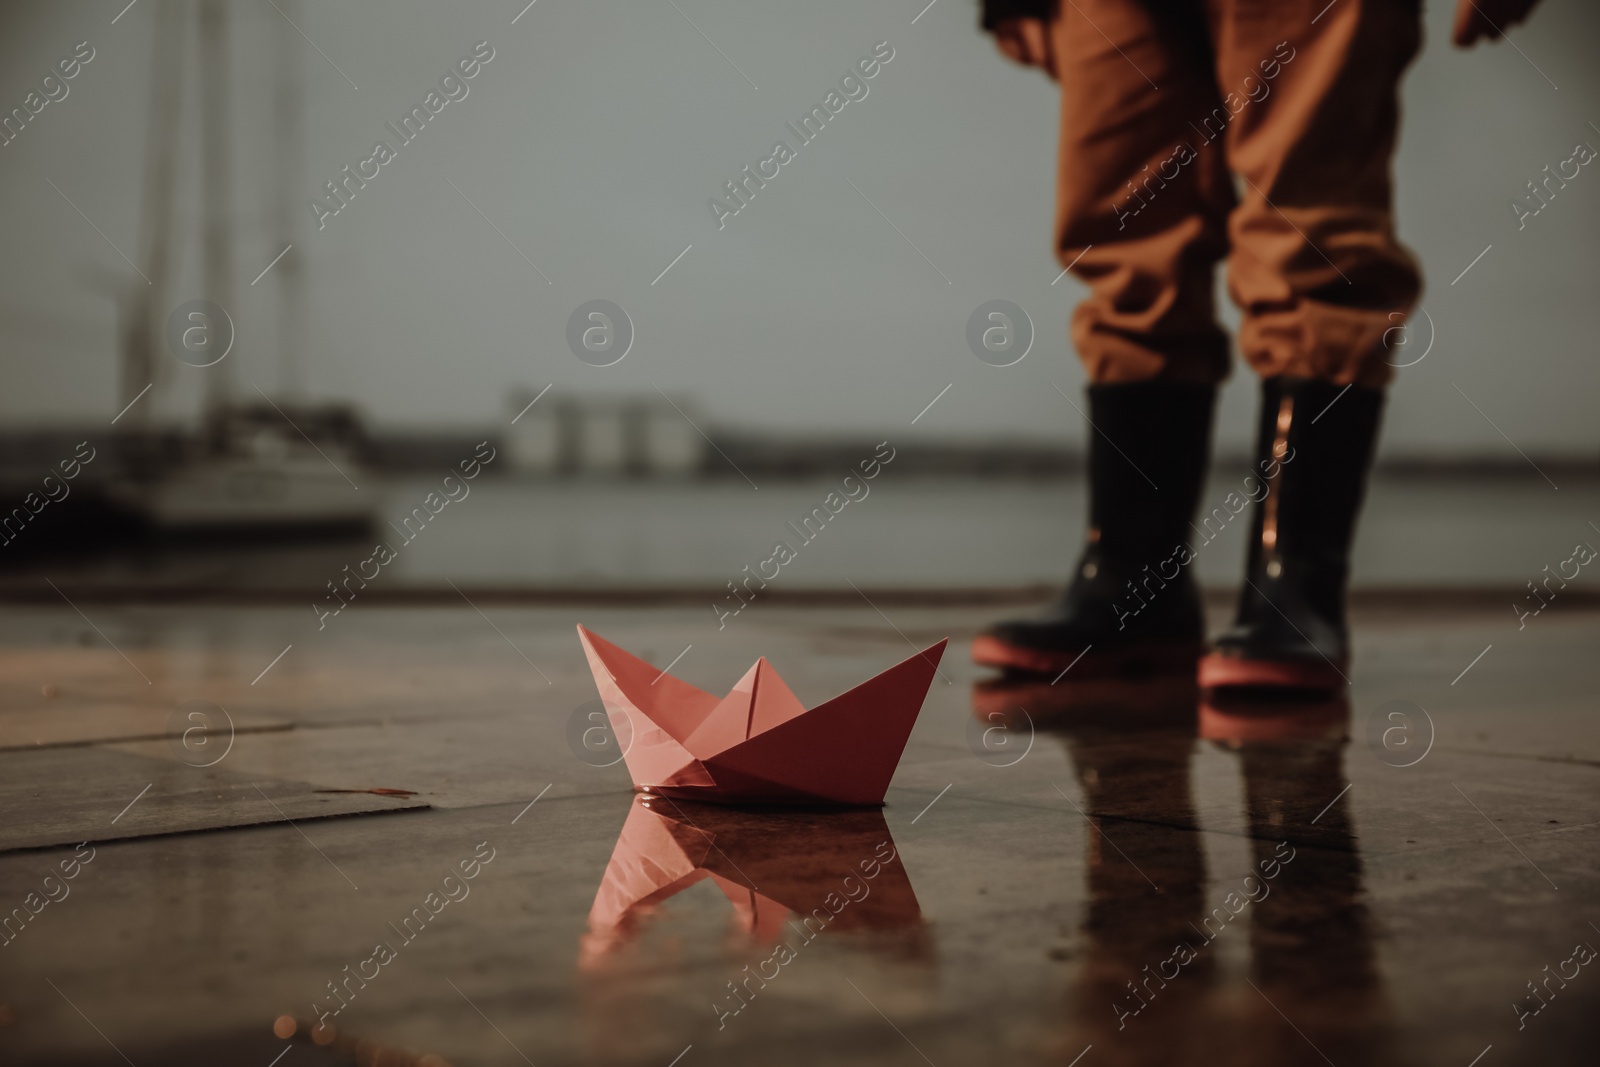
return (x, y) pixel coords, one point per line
(1145, 661)
(1233, 672)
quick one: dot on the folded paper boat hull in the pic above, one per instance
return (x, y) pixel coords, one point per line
(759, 744)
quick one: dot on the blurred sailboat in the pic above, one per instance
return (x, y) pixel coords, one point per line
(252, 469)
(267, 464)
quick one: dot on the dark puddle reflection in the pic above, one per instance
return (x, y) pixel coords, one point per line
(799, 885)
(789, 876)
(1157, 981)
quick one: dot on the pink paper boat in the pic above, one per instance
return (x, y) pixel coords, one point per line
(759, 744)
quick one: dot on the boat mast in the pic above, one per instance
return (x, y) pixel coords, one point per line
(290, 136)
(217, 173)
(144, 328)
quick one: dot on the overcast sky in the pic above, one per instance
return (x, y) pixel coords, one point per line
(593, 140)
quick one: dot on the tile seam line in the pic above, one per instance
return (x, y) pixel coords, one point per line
(299, 819)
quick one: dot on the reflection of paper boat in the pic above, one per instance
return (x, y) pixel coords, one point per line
(771, 867)
(759, 744)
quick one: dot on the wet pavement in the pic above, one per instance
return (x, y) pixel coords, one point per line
(409, 848)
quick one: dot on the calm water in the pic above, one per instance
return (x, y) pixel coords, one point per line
(939, 534)
(914, 533)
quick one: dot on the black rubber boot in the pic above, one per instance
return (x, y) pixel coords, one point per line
(1314, 449)
(1132, 603)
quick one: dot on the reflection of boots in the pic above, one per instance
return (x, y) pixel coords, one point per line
(1315, 445)
(1130, 743)
(1312, 958)
(1238, 719)
(1146, 874)
(1083, 708)
(1132, 598)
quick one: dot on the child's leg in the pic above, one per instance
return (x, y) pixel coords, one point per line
(1142, 195)
(1321, 279)
(1314, 262)
(1143, 200)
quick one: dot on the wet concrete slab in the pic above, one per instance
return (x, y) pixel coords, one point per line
(61, 796)
(1346, 887)
(83, 724)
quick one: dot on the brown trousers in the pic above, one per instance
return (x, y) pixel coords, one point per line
(1194, 129)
